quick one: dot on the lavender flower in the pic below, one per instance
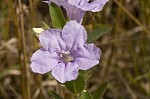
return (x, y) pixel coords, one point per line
(76, 8)
(64, 52)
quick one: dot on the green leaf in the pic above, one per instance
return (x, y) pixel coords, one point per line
(100, 90)
(97, 33)
(45, 25)
(57, 16)
(85, 95)
(54, 95)
(76, 86)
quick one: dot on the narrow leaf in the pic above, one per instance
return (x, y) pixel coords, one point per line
(100, 90)
(97, 33)
(45, 25)
(54, 95)
(57, 16)
(76, 86)
(85, 95)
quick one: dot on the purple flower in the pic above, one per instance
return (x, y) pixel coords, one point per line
(64, 52)
(76, 8)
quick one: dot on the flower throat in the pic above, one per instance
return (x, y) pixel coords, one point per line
(66, 57)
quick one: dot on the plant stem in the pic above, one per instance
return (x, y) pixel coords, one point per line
(26, 91)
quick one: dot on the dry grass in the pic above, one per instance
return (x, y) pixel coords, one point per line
(125, 60)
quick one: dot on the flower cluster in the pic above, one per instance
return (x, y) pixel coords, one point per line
(65, 52)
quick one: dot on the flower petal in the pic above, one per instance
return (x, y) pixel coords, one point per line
(74, 2)
(72, 71)
(87, 57)
(43, 61)
(95, 6)
(51, 40)
(66, 72)
(78, 2)
(74, 35)
(74, 13)
(58, 72)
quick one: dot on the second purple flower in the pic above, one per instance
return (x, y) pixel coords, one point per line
(76, 8)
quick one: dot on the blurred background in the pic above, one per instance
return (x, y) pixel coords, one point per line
(125, 60)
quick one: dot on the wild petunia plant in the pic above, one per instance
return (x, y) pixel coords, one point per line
(76, 8)
(67, 49)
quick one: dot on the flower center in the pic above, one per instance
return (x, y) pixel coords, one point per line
(66, 56)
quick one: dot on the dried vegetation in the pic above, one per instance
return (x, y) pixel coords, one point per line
(125, 60)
